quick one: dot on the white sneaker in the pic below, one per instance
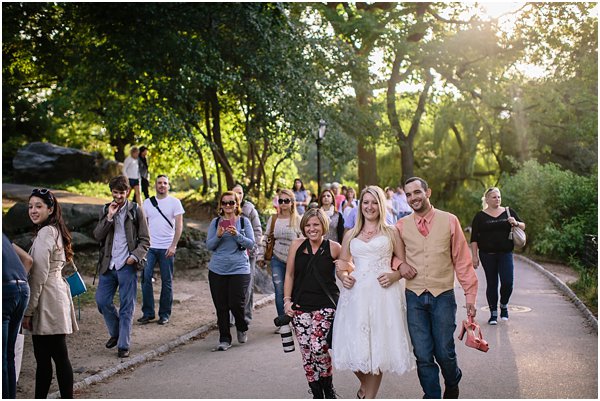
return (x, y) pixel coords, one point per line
(223, 346)
(242, 336)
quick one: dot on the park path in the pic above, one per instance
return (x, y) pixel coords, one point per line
(546, 350)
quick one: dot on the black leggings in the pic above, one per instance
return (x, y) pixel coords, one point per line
(46, 349)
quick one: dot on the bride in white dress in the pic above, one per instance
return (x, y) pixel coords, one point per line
(370, 334)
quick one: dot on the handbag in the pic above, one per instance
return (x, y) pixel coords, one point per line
(270, 239)
(76, 283)
(517, 234)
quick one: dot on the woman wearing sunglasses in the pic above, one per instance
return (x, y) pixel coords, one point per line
(50, 315)
(285, 226)
(228, 238)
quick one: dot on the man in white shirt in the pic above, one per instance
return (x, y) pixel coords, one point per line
(165, 222)
(131, 170)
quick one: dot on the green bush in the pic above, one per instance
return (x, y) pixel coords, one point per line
(558, 206)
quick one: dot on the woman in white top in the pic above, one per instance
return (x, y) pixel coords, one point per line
(286, 229)
(131, 170)
(350, 202)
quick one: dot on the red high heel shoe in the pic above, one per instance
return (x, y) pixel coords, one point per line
(473, 340)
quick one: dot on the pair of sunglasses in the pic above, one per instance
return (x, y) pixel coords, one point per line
(40, 191)
(286, 201)
(228, 203)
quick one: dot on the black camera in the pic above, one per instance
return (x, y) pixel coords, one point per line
(282, 320)
(287, 338)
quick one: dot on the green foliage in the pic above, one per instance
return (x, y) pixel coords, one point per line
(558, 206)
(586, 287)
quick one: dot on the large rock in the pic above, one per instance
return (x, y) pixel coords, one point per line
(16, 220)
(42, 161)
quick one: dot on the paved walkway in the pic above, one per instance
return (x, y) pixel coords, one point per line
(546, 350)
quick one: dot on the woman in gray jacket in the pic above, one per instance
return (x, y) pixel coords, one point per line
(50, 315)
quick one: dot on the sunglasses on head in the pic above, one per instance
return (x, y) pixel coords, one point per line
(40, 191)
(286, 201)
(227, 203)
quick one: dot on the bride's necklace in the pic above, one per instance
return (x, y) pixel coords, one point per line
(368, 234)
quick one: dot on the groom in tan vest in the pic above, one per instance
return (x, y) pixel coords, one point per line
(435, 250)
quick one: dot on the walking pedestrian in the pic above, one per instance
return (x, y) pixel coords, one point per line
(490, 242)
(164, 214)
(16, 263)
(50, 315)
(402, 204)
(435, 250)
(228, 238)
(370, 334)
(144, 175)
(301, 196)
(311, 296)
(249, 211)
(391, 204)
(349, 203)
(123, 231)
(337, 195)
(285, 227)
(131, 170)
(336, 220)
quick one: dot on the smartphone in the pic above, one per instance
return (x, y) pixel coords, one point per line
(225, 223)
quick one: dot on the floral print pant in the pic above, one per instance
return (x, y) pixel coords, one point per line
(311, 332)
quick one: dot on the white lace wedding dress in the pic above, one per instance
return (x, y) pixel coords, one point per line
(370, 332)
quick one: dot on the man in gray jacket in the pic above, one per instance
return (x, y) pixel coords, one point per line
(123, 233)
(250, 212)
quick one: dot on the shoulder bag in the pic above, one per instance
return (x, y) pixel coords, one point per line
(270, 239)
(516, 235)
(76, 283)
(155, 204)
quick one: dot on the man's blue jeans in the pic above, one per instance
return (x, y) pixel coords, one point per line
(119, 323)
(278, 272)
(15, 297)
(166, 279)
(498, 265)
(431, 324)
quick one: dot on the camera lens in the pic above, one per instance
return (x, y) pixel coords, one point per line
(287, 340)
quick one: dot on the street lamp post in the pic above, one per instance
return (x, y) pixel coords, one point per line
(320, 136)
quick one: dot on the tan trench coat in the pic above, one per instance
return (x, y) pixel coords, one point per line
(50, 303)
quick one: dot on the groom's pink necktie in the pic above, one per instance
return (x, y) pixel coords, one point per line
(423, 228)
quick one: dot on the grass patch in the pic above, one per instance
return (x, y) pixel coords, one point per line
(586, 288)
(85, 188)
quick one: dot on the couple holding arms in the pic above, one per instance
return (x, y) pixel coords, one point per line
(379, 325)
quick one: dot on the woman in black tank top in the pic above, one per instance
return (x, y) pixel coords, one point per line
(310, 298)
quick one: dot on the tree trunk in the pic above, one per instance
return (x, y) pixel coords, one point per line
(219, 150)
(367, 155)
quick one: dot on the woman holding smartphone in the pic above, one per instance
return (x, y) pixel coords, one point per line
(229, 236)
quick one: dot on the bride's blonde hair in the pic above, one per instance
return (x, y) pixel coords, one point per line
(382, 226)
